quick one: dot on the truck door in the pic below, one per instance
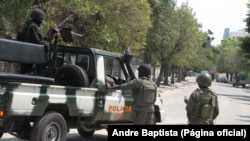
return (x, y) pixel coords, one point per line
(113, 105)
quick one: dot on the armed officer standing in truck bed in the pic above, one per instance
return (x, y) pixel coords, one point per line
(31, 33)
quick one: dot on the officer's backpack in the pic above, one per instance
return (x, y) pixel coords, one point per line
(20, 36)
(207, 102)
(147, 94)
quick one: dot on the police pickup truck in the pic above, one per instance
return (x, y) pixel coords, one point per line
(66, 91)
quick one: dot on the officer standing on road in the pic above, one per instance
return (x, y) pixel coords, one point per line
(31, 33)
(202, 106)
(144, 95)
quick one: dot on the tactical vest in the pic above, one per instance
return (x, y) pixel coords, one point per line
(146, 94)
(204, 107)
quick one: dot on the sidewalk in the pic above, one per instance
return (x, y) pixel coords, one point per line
(177, 85)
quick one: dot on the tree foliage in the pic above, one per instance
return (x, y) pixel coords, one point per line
(247, 20)
(245, 51)
(229, 58)
(167, 34)
(175, 37)
(190, 37)
(111, 25)
(13, 14)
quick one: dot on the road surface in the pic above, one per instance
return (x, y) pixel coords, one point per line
(234, 106)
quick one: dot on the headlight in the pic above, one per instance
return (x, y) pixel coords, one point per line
(2, 90)
(2, 113)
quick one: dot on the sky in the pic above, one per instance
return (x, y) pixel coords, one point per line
(217, 15)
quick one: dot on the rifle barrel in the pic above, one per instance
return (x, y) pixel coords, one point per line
(64, 21)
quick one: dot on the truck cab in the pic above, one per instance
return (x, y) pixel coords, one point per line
(98, 66)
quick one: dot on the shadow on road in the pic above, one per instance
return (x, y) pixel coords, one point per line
(95, 137)
(70, 137)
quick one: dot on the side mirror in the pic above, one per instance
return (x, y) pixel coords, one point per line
(127, 57)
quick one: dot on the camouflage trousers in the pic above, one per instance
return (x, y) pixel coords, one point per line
(144, 118)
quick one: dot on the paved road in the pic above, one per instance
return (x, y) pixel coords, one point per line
(100, 135)
(234, 107)
(234, 103)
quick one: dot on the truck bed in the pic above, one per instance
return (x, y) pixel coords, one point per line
(25, 78)
(32, 99)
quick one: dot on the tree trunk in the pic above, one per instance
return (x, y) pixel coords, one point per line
(159, 79)
(184, 72)
(172, 74)
(166, 76)
(179, 74)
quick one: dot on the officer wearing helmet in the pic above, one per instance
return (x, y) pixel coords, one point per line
(202, 106)
(144, 95)
(31, 28)
(31, 33)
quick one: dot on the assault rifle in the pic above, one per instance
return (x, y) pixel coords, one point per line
(52, 34)
(57, 29)
(61, 24)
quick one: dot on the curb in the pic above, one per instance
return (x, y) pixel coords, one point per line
(176, 85)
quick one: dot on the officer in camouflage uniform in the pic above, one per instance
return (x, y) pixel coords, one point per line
(202, 106)
(144, 95)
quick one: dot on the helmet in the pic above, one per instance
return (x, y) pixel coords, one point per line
(144, 70)
(204, 79)
(37, 14)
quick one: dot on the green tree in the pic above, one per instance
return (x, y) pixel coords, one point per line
(13, 14)
(244, 53)
(247, 20)
(175, 30)
(209, 40)
(230, 56)
(112, 25)
(189, 41)
(161, 37)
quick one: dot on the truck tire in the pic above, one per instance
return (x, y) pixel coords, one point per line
(85, 133)
(243, 85)
(1, 134)
(51, 126)
(71, 75)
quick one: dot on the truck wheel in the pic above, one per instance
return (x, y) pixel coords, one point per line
(50, 127)
(85, 133)
(1, 134)
(71, 75)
